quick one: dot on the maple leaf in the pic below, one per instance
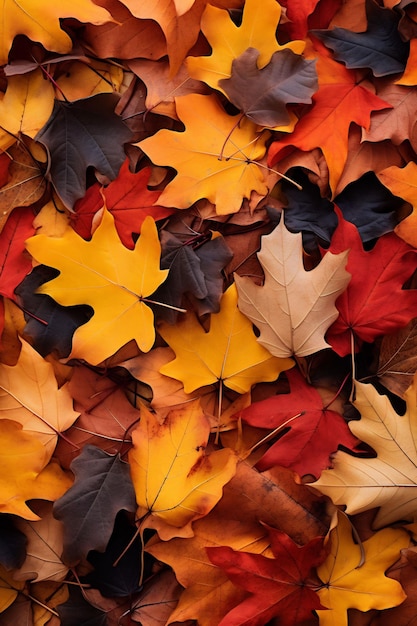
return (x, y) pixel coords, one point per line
(26, 183)
(27, 474)
(368, 308)
(184, 483)
(26, 106)
(127, 198)
(294, 308)
(41, 22)
(353, 575)
(24, 388)
(282, 586)
(263, 94)
(228, 41)
(205, 358)
(9, 588)
(339, 101)
(14, 264)
(400, 181)
(101, 489)
(380, 47)
(214, 157)
(397, 360)
(387, 481)
(115, 281)
(315, 427)
(81, 134)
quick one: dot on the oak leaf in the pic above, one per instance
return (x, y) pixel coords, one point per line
(374, 302)
(389, 480)
(263, 94)
(113, 280)
(216, 356)
(283, 586)
(175, 480)
(293, 308)
(26, 472)
(353, 575)
(214, 157)
(81, 134)
(228, 41)
(101, 489)
(24, 389)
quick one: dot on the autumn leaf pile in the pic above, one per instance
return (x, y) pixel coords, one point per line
(208, 313)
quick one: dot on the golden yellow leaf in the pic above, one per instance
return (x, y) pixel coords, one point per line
(40, 21)
(113, 280)
(353, 575)
(25, 473)
(9, 588)
(217, 356)
(27, 105)
(389, 480)
(228, 41)
(293, 308)
(52, 220)
(401, 181)
(29, 395)
(175, 479)
(214, 157)
(82, 80)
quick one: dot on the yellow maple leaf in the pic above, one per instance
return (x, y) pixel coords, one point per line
(25, 107)
(229, 41)
(40, 21)
(401, 181)
(25, 473)
(214, 157)
(389, 480)
(353, 576)
(113, 280)
(29, 395)
(293, 308)
(217, 356)
(174, 479)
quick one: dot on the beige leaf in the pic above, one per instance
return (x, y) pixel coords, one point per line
(294, 308)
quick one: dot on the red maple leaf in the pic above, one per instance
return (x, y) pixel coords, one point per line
(374, 302)
(14, 262)
(127, 198)
(282, 586)
(309, 438)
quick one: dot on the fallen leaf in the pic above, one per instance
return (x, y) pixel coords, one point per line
(353, 575)
(310, 426)
(9, 588)
(400, 181)
(215, 157)
(24, 388)
(282, 587)
(387, 481)
(184, 483)
(374, 303)
(113, 280)
(27, 474)
(379, 48)
(397, 362)
(228, 41)
(263, 94)
(216, 357)
(44, 547)
(101, 489)
(83, 80)
(127, 198)
(41, 23)
(14, 264)
(293, 308)
(81, 134)
(156, 601)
